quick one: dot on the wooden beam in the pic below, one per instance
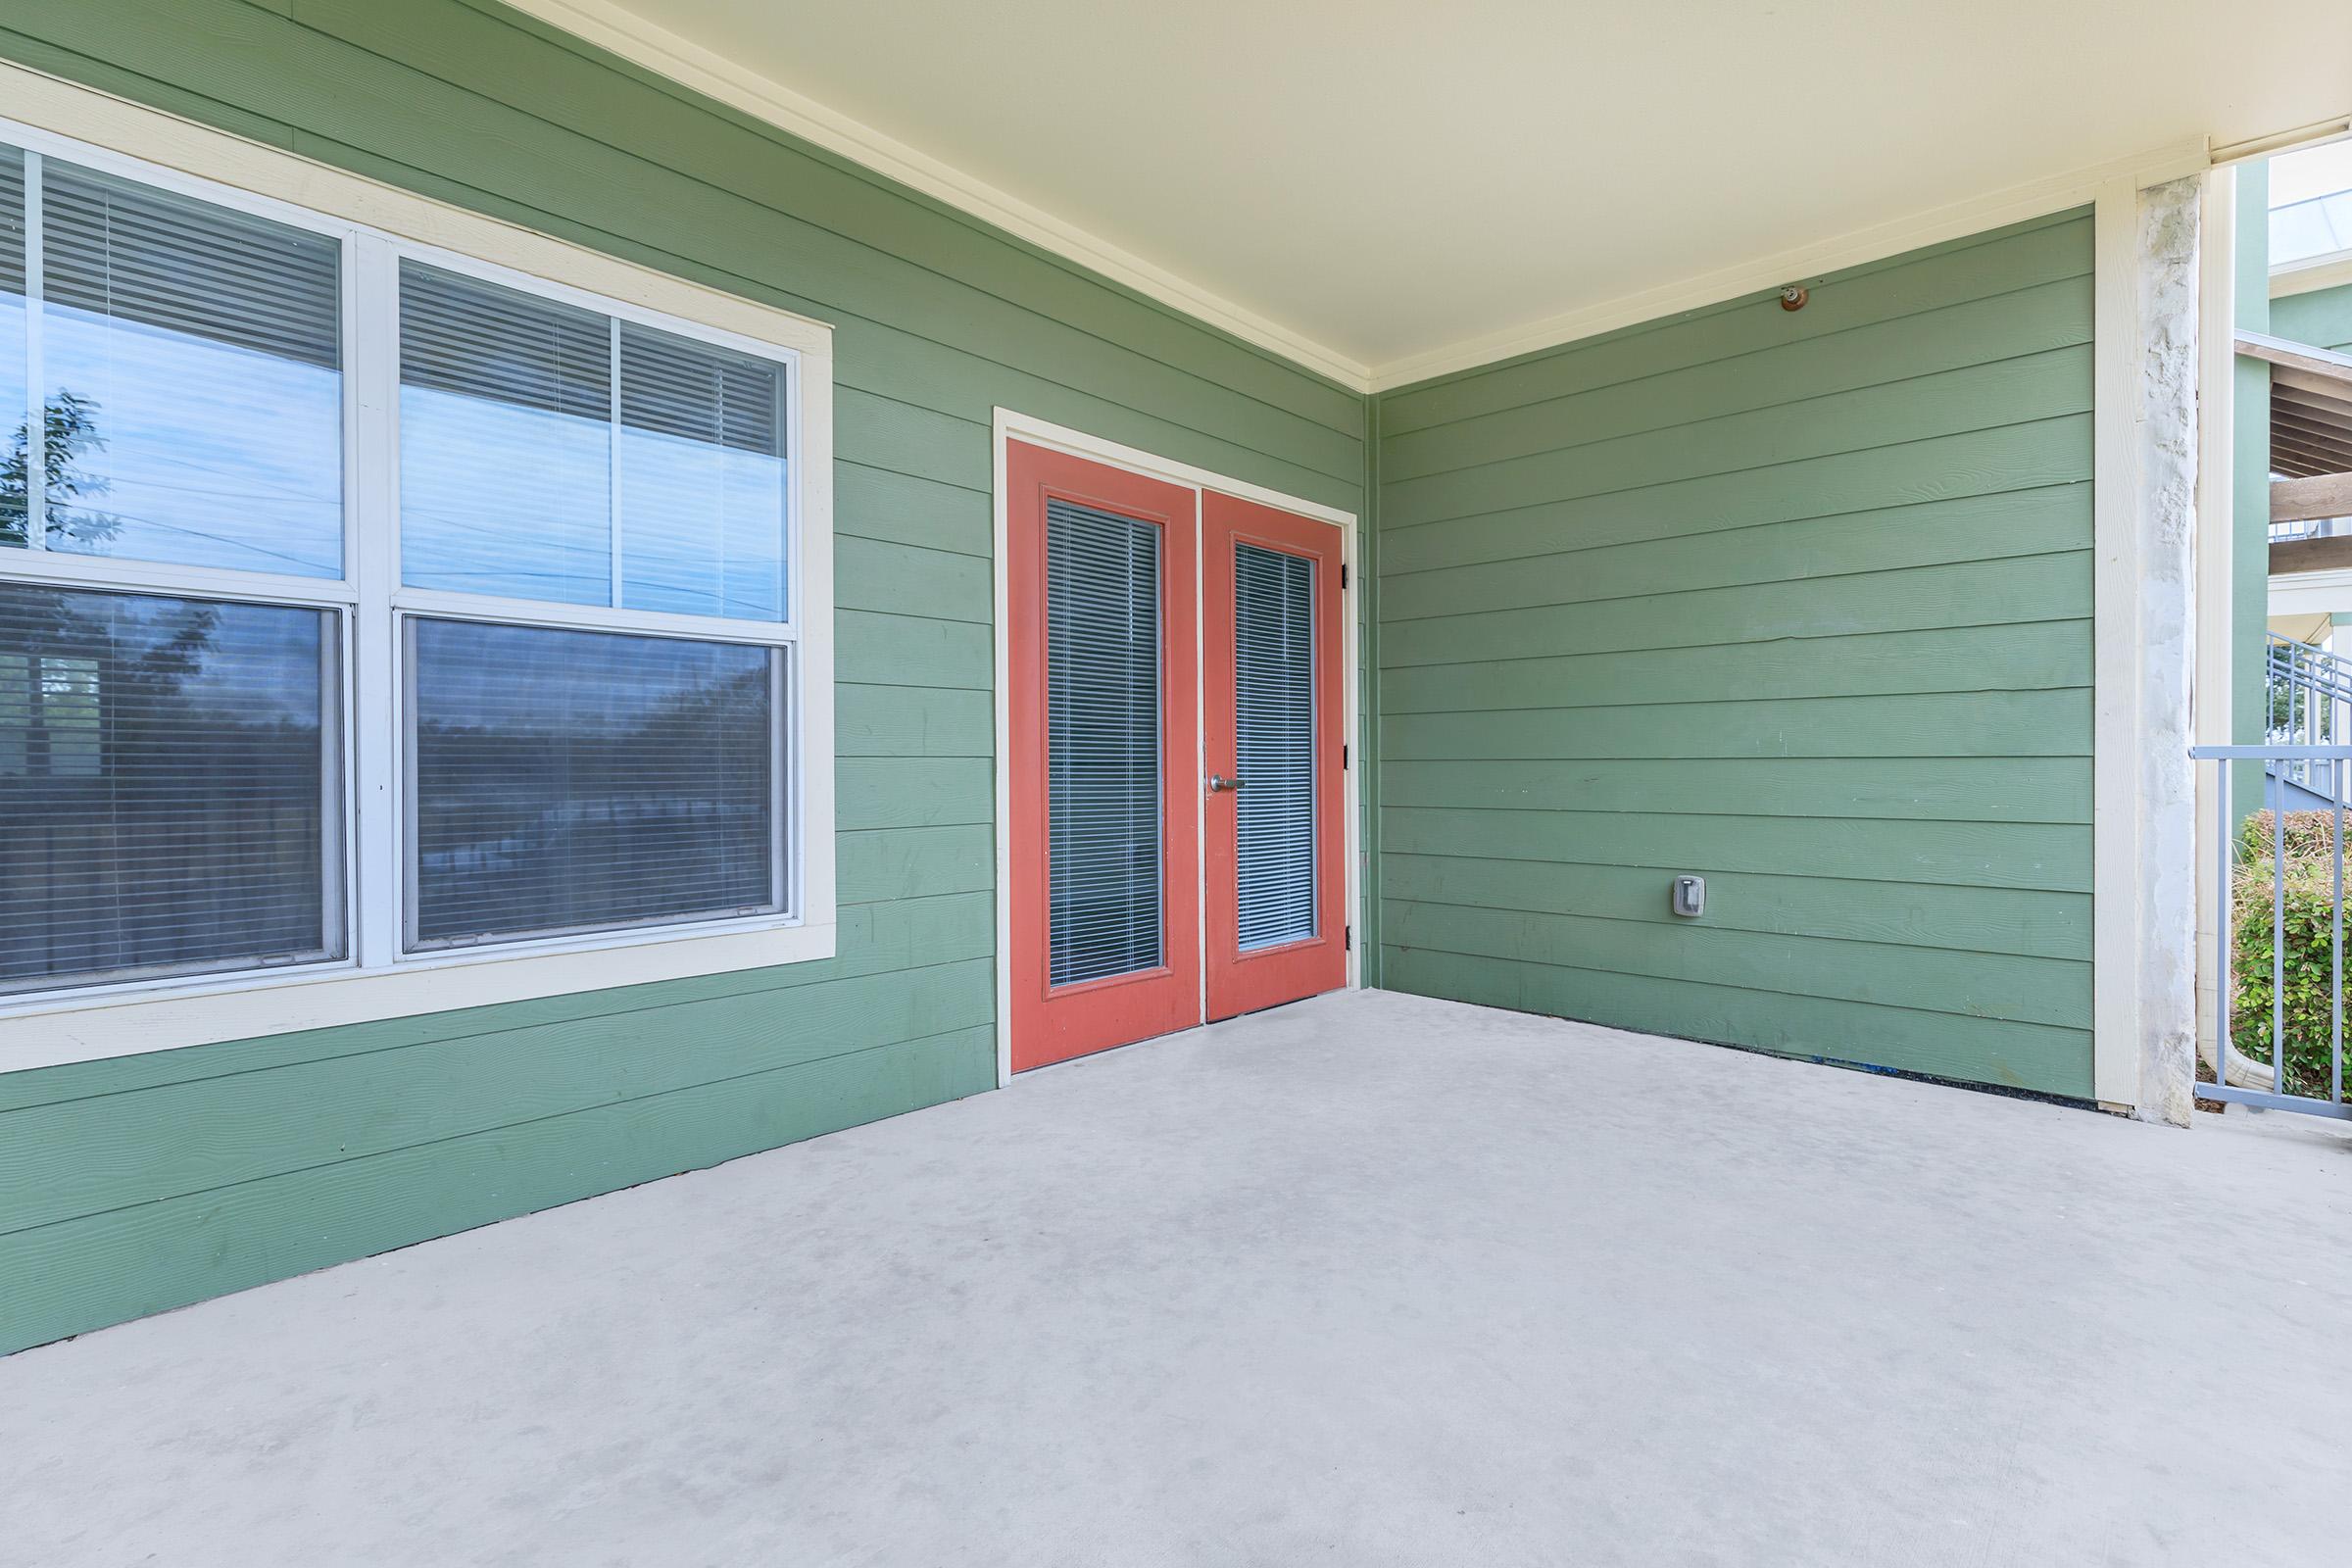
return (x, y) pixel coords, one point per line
(2321, 441)
(2307, 386)
(2318, 416)
(2289, 557)
(2290, 447)
(2326, 495)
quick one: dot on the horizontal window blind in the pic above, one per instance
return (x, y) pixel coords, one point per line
(191, 391)
(702, 492)
(1274, 736)
(554, 452)
(149, 257)
(696, 391)
(490, 344)
(574, 779)
(1102, 743)
(164, 783)
(14, 426)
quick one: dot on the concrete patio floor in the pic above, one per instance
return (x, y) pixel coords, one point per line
(1370, 1280)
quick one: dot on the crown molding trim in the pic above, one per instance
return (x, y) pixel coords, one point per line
(620, 31)
(1805, 263)
(633, 38)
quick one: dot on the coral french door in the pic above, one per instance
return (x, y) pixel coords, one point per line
(1276, 834)
(1173, 751)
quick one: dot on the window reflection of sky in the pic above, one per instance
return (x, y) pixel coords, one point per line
(497, 498)
(209, 455)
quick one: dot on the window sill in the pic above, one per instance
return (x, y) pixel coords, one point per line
(167, 1015)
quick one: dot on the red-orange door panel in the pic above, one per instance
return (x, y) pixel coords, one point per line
(1275, 835)
(1103, 707)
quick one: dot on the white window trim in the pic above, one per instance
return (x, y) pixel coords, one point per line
(380, 225)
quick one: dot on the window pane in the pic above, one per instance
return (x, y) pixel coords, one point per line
(506, 441)
(13, 403)
(572, 779)
(702, 478)
(190, 379)
(162, 786)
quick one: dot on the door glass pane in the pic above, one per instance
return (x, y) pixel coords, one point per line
(1102, 752)
(506, 441)
(572, 780)
(191, 389)
(164, 777)
(1274, 738)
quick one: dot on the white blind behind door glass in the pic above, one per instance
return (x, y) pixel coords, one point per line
(164, 780)
(192, 380)
(1274, 740)
(1102, 743)
(575, 780)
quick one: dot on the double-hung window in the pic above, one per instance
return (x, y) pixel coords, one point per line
(369, 609)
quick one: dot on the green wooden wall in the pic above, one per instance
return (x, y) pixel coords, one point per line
(142, 1183)
(1799, 602)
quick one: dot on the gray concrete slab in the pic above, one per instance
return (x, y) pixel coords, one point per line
(1372, 1280)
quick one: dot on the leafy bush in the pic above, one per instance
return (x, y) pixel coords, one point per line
(2309, 949)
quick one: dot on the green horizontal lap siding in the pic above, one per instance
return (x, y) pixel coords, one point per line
(141, 1183)
(1799, 602)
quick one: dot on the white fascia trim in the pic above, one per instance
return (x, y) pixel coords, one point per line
(1955, 220)
(2312, 593)
(633, 38)
(2333, 129)
(1010, 425)
(2309, 277)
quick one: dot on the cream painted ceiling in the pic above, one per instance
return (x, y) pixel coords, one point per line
(1386, 179)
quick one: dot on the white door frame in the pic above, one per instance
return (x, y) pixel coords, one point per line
(1010, 426)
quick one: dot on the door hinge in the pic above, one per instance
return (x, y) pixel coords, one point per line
(1345, 764)
(1343, 574)
(1347, 938)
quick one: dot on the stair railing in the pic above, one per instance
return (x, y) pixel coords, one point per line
(2309, 696)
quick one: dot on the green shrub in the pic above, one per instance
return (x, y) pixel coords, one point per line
(2308, 947)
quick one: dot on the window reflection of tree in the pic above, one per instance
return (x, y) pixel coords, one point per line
(69, 434)
(160, 772)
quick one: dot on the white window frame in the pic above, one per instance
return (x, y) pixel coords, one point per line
(378, 227)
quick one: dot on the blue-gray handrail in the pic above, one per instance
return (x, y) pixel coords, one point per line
(2334, 759)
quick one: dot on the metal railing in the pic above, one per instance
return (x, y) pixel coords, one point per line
(2305, 850)
(2308, 692)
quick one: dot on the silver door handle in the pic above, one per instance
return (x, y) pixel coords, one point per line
(1218, 783)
